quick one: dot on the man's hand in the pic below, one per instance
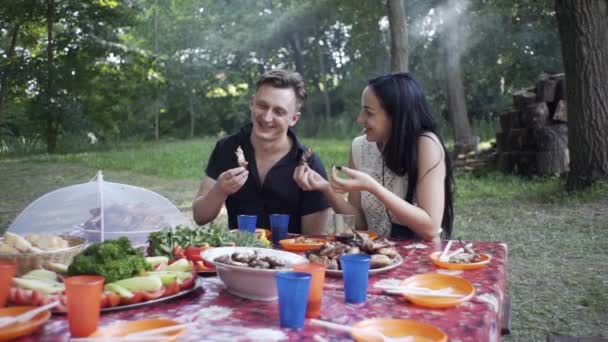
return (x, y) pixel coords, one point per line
(359, 181)
(309, 180)
(230, 181)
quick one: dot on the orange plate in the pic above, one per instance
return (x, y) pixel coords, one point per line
(454, 266)
(291, 245)
(371, 235)
(21, 329)
(399, 328)
(122, 329)
(436, 281)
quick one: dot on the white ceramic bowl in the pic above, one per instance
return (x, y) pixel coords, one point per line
(246, 282)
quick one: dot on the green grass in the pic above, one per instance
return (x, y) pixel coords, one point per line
(557, 241)
(183, 159)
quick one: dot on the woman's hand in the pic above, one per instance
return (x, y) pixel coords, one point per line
(359, 181)
(309, 180)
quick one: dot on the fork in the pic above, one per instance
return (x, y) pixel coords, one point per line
(26, 316)
(368, 332)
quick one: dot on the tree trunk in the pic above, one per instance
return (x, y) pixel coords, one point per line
(51, 122)
(325, 91)
(192, 120)
(8, 68)
(457, 107)
(311, 120)
(156, 110)
(583, 28)
(398, 26)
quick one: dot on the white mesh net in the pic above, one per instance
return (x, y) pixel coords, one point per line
(99, 210)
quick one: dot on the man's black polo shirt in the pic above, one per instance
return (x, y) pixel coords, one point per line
(279, 195)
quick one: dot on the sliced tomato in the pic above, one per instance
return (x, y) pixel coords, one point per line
(200, 266)
(171, 289)
(148, 295)
(137, 297)
(179, 252)
(113, 299)
(103, 301)
(194, 253)
(208, 264)
(37, 298)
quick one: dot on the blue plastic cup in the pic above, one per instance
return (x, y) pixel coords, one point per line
(247, 223)
(293, 296)
(279, 224)
(355, 271)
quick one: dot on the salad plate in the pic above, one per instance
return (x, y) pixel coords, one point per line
(197, 285)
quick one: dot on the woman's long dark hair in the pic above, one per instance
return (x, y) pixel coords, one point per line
(401, 96)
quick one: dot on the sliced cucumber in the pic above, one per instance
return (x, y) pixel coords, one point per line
(119, 290)
(166, 277)
(179, 275)
(150, 283)
(58, 267)
(157, 260)
(43, 275)
(180, 265)
(44, 286)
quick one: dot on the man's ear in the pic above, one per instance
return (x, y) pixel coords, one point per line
(251, 100)
(294, 119)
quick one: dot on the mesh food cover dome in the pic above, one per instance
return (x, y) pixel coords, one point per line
(99, 210)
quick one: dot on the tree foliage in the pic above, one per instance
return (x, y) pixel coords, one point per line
(129, 69)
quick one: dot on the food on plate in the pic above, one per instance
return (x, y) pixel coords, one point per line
(39, 287)
(32, 243)
(465, 255)
(111, 259)
(382, 252)
(164, 242)
(306, 241)
(240, 157)
(305, 156)
(251, 259)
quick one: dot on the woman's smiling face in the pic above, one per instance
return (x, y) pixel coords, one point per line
(373, 117)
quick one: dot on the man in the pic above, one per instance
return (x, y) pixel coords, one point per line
(265, 185)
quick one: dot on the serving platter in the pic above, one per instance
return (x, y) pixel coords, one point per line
(485, 259)
(197, 285)
(396, 262)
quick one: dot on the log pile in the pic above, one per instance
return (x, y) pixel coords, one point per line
(533, 137)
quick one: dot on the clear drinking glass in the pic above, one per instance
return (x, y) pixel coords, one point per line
(344, 227)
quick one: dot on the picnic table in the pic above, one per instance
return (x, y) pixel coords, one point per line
(221, 316)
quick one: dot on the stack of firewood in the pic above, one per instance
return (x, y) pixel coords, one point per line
(534, 136)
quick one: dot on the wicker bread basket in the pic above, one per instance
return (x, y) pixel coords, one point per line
(29, 261)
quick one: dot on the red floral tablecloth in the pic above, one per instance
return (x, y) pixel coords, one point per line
(220, 316)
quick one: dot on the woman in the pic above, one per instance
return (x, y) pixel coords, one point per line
(400, 173)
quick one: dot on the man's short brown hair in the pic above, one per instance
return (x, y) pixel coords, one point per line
(280, 78)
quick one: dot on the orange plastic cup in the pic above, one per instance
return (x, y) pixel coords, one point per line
(315, 294)
(83, 302)
(7, 272)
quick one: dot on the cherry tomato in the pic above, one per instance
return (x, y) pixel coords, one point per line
(194, 253)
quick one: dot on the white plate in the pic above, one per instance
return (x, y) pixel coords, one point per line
(398, 261)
